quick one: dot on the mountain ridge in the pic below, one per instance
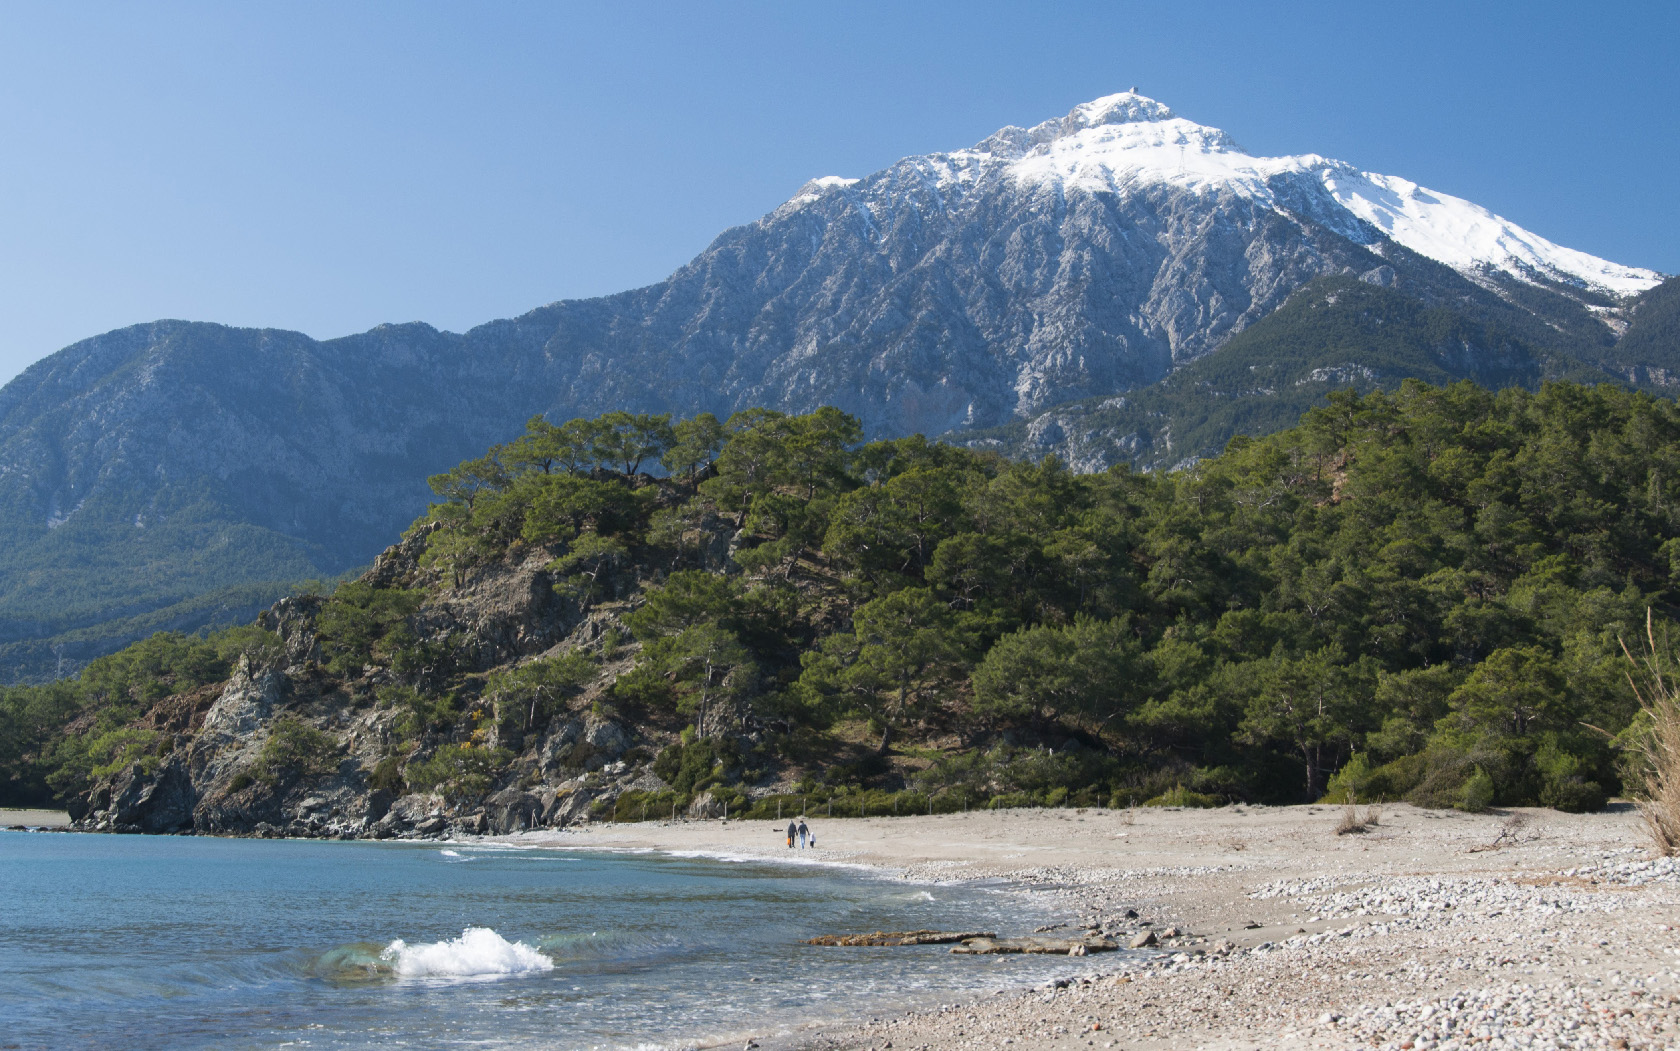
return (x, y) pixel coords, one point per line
(942, 294)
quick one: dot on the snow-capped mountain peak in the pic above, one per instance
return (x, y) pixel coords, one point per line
(815, 188)
(1128, 143)
(1107, 116)
(1126, 107)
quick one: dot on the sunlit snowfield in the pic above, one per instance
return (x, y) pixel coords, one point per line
(181, 942)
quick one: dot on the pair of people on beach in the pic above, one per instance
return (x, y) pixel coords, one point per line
(799, 830)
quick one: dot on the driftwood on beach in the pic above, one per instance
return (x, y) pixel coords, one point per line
(990, 945)
(900, 938)
(973, 943)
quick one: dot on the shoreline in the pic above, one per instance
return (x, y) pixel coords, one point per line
(1430, 930)
(29, 817)
(637, 838)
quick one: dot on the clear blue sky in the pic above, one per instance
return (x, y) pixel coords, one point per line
(326, 167)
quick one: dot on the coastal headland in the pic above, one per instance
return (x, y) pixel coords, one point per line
(1272, 927)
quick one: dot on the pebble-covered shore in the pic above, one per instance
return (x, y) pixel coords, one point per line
(1431, 932)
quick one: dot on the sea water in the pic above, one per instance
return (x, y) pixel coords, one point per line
(182, 942)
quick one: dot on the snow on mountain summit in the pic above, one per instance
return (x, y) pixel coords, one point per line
(1129, 143)
(1126, 107)
(1466, 236)
(815, 188)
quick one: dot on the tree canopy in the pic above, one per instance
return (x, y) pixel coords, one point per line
(1413, 594)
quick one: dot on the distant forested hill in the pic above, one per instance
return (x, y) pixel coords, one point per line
(1412, 594)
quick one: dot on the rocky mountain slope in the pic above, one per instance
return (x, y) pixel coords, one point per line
(172, 474)
(1338, 333)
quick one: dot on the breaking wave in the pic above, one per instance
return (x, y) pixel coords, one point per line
(478, 953)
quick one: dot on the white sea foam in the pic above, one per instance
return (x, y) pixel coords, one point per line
(478, 953)
(773, 857)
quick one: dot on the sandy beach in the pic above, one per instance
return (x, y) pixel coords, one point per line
(1429, 930)
(11, 817)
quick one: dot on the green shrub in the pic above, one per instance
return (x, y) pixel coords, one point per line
(1476, 794)
(387, 776)
(110, 752)
(1181, 796)
(636, 805)
(1573, 794)
(1361, 781)
(1566, 780)
(1350, 782)
(643, 688)
(1440, 772)
(1013, 801)
(361, 623)
(422, 713)
(258, 643)
(295, 746)
(611, 640)
(458, 770)
(695, 765)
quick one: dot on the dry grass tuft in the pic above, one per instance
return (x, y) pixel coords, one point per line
(1353, 822)
(1350, 822)
(1658, 746)
(1514, 831)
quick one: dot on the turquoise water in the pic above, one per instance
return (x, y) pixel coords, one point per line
(165, 942)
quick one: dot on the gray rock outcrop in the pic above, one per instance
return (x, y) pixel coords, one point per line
(219, 775)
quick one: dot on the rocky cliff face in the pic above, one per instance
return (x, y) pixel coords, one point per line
(1090, 256)
(219, 773)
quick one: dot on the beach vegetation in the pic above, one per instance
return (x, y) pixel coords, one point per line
(1651, 741)
(1178, 795)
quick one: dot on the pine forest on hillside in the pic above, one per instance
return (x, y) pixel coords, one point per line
(1410, 595)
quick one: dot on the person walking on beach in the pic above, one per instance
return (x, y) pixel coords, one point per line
(793, 829)
(803, 832)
